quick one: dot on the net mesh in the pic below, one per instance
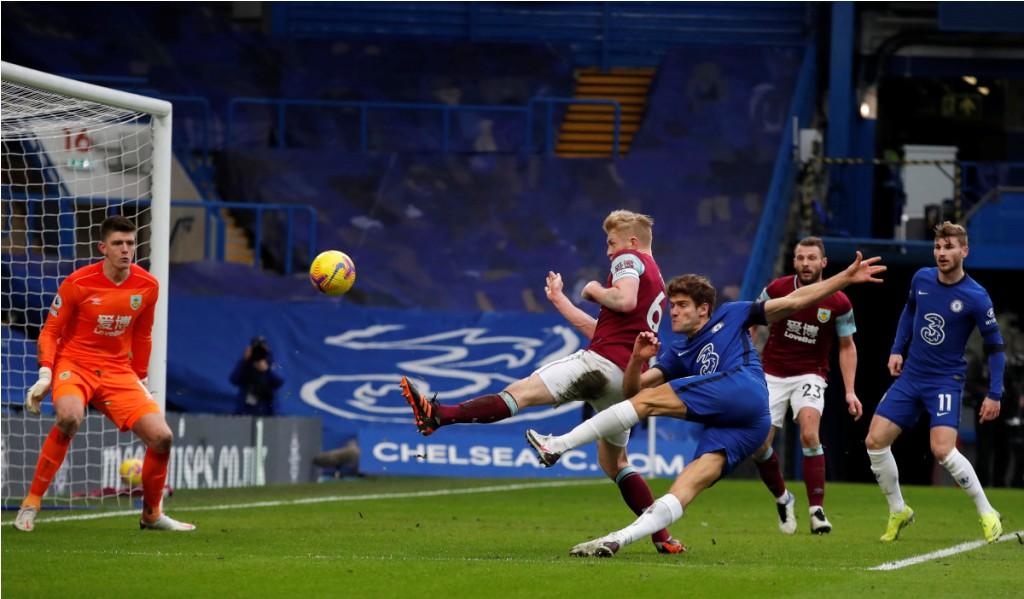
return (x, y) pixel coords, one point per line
(67, 164)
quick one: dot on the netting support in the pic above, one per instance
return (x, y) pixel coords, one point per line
(160, 111)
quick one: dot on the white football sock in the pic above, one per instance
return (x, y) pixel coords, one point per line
(888, 477)
(664, 511)
(620, 417)
(963, 474)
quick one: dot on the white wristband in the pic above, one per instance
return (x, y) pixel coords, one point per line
(45, 374)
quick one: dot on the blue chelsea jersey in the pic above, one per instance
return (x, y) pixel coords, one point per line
(722, 344)
(937, 321)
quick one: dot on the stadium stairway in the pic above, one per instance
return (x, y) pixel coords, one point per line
(588, 130)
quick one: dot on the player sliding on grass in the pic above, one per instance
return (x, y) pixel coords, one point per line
(632, 302)
(712, 375)
(97, 339)
(943, 308)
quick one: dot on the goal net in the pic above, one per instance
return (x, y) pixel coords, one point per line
(73, 154)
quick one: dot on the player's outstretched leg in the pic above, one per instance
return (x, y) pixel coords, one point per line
(546, 455)
(422, 408)
(431, 415)
(663, 512)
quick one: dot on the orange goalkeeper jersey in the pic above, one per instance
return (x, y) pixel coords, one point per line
(94, 322)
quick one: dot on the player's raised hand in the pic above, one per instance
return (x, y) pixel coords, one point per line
(646, 346)
(989, 409)
(863, 270)
(853, 406)
(36, 393)
(553, 285)
(895, 364)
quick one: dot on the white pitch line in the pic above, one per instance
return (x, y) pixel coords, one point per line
(961, 548)
(330, 499)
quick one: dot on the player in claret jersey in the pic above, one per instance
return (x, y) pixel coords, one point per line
(632, 300)
(944, 306)
(97, 338)
(796, 368)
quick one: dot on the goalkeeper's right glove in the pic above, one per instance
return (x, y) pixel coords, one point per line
(36, 393)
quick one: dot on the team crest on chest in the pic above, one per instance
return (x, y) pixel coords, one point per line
(824, 314)
(956, 305)
(136, 302)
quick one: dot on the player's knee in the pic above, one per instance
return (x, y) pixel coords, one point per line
(68, 421)
(161, 442)
(941, 450)
(643, 403)
(873, 442)
(809, 439)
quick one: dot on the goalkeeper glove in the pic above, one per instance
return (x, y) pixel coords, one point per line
(36, 393)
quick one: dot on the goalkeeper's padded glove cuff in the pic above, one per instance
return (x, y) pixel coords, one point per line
(45, 374)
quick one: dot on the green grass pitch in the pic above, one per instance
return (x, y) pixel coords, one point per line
(440, 538)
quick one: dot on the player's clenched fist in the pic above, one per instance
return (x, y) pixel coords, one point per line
(36, 393)
(895, 364)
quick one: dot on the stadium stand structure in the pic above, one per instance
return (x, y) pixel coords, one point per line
(533, 213)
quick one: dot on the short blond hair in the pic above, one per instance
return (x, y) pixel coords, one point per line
(949, 230)
(639, 225)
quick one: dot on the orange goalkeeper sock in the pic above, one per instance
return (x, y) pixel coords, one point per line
(154, 475)
(51, 456)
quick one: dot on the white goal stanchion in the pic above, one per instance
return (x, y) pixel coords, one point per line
(73, 154)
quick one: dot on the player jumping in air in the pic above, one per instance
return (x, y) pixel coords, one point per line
(796, 368)
(943, 307)
(711, 375)
(632, 301)
(97, 338)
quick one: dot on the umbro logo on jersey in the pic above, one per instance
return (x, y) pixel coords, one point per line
(95, 301)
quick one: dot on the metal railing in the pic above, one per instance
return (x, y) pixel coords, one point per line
(444, 111)
(219, 240)
(363, 107)
(214, 245)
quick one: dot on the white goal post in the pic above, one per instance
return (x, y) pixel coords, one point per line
(72, 152)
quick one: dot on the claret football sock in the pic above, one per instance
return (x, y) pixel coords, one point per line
(487, 408)
(771, 474)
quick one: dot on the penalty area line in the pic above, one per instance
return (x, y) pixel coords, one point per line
(961, 548)
(330, 499)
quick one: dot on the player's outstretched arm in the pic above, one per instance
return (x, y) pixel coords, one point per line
(583, 322)
(860, 271)
(620, 297)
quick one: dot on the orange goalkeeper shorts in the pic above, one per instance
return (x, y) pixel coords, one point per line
(117, 392)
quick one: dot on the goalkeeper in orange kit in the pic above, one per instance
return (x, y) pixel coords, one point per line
(97, 339)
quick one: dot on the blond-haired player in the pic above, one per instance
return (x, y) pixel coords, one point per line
(632, 301)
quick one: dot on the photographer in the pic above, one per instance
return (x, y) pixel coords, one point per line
(257, 380)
